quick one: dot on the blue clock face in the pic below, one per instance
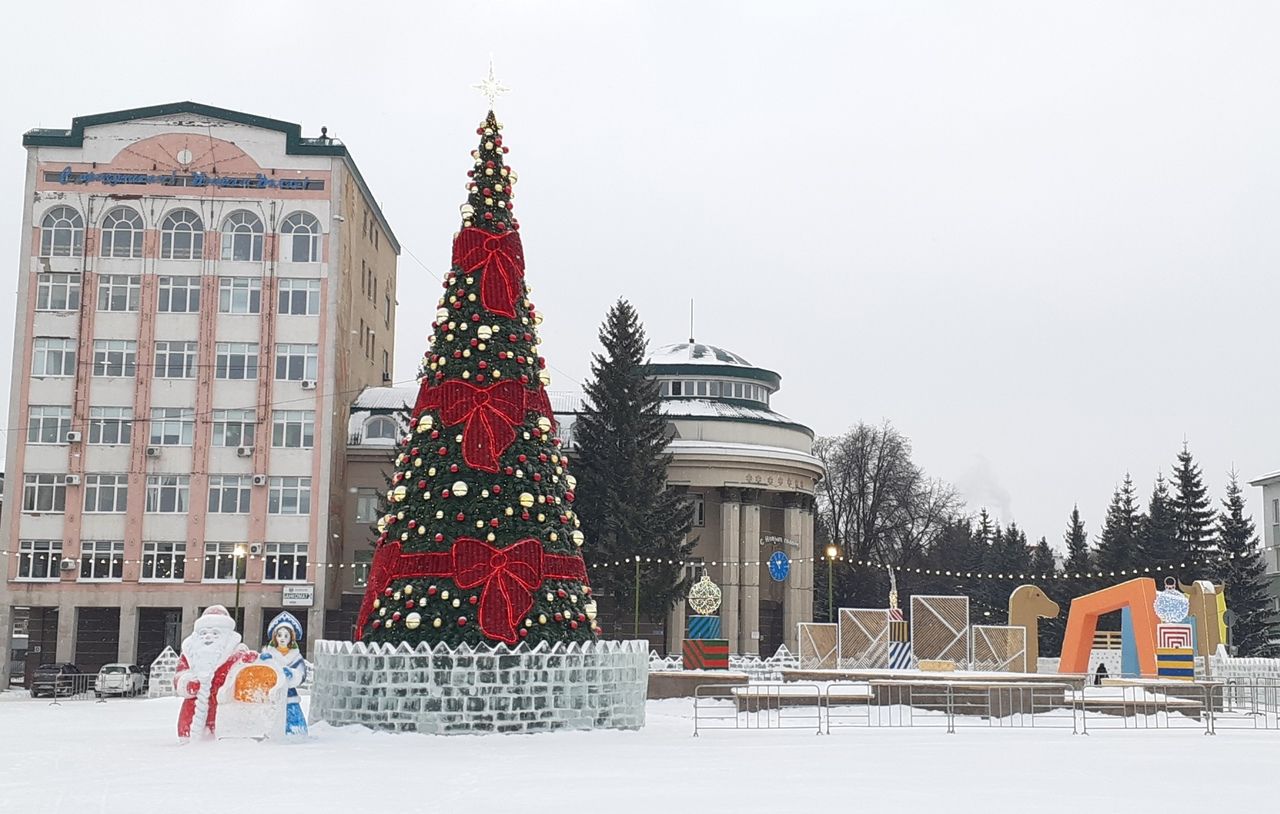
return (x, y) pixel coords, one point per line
(779, 566)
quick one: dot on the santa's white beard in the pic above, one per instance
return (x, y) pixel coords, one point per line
(204, 660)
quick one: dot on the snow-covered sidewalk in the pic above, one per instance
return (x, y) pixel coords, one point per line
(122, 756)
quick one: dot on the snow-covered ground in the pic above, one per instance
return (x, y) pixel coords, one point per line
(122, 756)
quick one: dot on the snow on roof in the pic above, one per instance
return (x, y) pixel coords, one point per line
(710, 408)
(696, 353)
(386, 398)
(741, 450)
(1263, 480)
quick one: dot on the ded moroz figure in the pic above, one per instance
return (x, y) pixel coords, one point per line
(209, 655)
(282, 652)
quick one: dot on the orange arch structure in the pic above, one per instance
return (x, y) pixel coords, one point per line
(1139, 596)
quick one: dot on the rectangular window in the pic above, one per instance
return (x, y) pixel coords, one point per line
(699, 511)
(168, 494)
(110, 425)
(119, 292)
(115, 357)
(366, 505)
(179, 295)
(105, 493)
(58, 292)
(53, 356)
(239, 295)
(293, 428)
(233, 428)
(664, 388)
(373, 342)
(299, 297)
(363, 560)
(289, 495)
(48, 425)
(285, 562)
(386, 365)
(102, 559)
(677, 388)
(175, 360)
(713, 389)
(386, 313)
(38, 559)
(43, 493)
(702, 388)
(229, 494)
(236, 360)
(164, 562)
(172, 426)
(296, 362)
(221, 563)
(1275, 510)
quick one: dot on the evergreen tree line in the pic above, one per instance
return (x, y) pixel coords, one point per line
(1178, 533)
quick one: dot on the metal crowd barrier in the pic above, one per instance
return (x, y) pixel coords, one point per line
(66, 687)
(757, 706)
(1245, 704)
(1147, 705)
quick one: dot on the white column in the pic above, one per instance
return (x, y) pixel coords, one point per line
(729, 570)
(806, 553)
(675, 628)
(793, 598)
(749, 594)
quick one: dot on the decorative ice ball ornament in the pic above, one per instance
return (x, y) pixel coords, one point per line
(704, 596)
(1172, 605)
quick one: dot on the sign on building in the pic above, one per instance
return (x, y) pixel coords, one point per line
(295, 596)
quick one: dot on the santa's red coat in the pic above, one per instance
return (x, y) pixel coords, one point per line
(184, 676)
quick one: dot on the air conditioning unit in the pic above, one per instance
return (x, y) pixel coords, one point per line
(71, 480)
(308, 384)
(153, 452)
(259, 480)
(67, 564)
(255, 549)
(74, 437)
(244, 452)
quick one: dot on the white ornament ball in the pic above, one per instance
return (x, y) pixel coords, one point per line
(459, 488)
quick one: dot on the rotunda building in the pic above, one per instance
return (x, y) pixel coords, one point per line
(751, 474)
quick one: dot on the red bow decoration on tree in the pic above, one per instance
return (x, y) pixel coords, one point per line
(490, 415)
(509, 576)
(500, 259)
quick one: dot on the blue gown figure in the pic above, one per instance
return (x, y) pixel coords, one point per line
(282, 651)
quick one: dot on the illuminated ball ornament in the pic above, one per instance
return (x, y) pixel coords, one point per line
(526, 500)
(413, 620)
(544, 423)
(704, 596)
(459, 489)
(397, 494)
(484, 333)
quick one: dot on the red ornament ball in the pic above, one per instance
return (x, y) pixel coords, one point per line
(462, 620)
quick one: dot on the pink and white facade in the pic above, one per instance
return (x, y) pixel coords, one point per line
(200, 295)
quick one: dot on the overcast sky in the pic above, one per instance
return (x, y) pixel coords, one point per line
(1038, 237)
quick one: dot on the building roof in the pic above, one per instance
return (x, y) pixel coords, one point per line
(1266, 480)
(695, 358)
(295, 144)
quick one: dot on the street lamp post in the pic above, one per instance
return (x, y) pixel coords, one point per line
(238, 562)
(832, 553)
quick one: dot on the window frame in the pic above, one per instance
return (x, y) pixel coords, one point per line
(284, 423)
(225, 356)
(224, 419)
(300, 229)
(57, 221)
(187, 353)
(242, 237)
(106, 366)
(50, 282)
(122, 222)
(158, 491)
(153, 556)
(38, 424)
(46, 485)
(214, 553)
(381, 420)
(289, 490)
(95, 488)
(230, 288)
(238, 487)
(272, 566)
(91, 558)
(290, 291)
(165, 418)
(172, 232)
(32, 552)
(41, 353)
(301, 354)
(112, 287)
(178, 290)
(123, 425)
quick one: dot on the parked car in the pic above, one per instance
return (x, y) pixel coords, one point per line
(54, 680)
(120, 679)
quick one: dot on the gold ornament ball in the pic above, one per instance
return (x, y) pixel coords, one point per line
(577, 537)
(571, 482)
(484, 333)
(459, 488)
(590, 609)
(526, 499)
(545, 378)
(704, 596)
(436, 622)
(544, 423)
(398, 493)
(408, 590)
(413, 620)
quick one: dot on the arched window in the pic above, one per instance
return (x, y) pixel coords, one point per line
(122, 233)
(182, 236)
(61, 233)
(302, 238)
(242, 236)
(380, 427)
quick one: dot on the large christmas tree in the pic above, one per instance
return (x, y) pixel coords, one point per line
(481, 543)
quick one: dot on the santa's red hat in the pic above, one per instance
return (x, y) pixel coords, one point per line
(215, 616)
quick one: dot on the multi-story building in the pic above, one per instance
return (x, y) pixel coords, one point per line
(748, 470)
(200, 293)
(1271, 532)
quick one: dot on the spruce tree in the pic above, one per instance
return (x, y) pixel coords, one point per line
(1157, 541)
(481, 544)
(626, 507)
(1243, 572)
(1194, 517)
(1078, 560)
(1118, 543)
(1042, 561)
